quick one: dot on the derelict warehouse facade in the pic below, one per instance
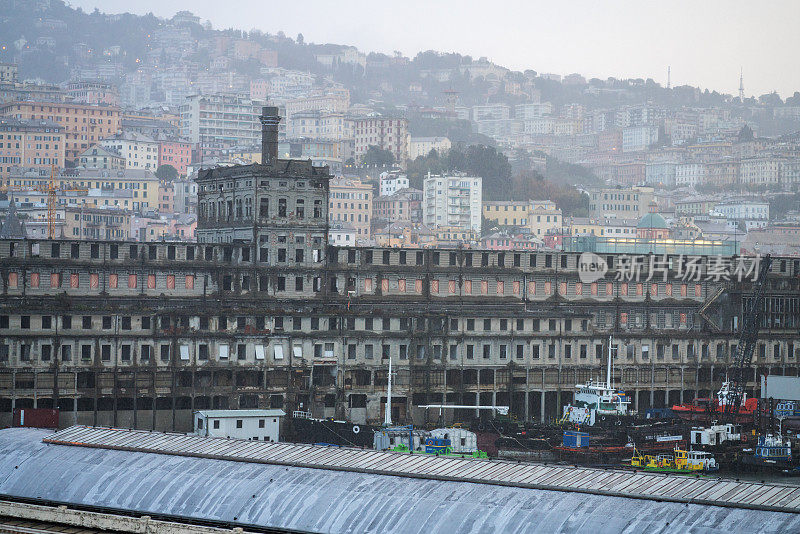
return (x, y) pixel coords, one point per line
(262, 313)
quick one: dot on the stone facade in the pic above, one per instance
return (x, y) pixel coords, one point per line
(141, 334)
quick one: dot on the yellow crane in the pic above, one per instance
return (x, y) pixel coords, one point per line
(51, 189)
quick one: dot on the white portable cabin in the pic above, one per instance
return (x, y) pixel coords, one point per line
(715, 434)
(254, 425)
(461, 439)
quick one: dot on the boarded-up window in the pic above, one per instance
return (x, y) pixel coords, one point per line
(151, 281)
(563, 288)
(434, 286)
(640, 289)
(189, 281)
(609, 288)
(654, 289)
(531, 288)
(594, 288)
(94, 280)
(451, 286)
(13, 280)
(548, 288)
(578, 288)
(668, 290)
(35, 280)
(74, 280)
(683, 318)
(697, 290)
(401, 285)
(113, 281)
(516, 288)
(170, 281)
(623, 318)
(484, 287)
(501, 288)
(624, 289)
(385, 285)
(468, 287)
(55, 280)
(368, 284)
(684, 290)
(418, 286)
(132, 281)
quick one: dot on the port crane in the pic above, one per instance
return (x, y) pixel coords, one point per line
(751, 324)
(51, 189)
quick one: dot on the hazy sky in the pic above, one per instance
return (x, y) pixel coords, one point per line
(705, 42)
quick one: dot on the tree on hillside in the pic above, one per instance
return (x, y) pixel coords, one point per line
(167, 173)
(376, 156)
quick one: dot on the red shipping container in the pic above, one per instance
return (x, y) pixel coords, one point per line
(36, 417)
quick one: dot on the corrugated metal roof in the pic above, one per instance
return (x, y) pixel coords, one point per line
(250, 492)
(653, 486)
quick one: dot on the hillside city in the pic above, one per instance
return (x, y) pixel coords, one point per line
(116, 117)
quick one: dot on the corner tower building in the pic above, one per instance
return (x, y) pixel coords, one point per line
(279, 207)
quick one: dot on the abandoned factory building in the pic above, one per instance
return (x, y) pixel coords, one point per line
(262, 313)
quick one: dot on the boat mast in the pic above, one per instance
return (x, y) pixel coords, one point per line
(608, 371)
(387, 416)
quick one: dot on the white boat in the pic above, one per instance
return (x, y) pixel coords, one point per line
(596, 401)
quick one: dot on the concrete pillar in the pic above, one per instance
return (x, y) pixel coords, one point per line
(541, 407)
(527, 394)
(682, 384)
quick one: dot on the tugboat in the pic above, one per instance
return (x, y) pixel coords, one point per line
(772, 453)
(682, 462)
(597, 403)
(707, 410)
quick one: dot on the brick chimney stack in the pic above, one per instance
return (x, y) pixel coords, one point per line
(269, 134)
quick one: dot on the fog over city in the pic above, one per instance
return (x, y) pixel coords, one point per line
(399, 267)
(706, 43)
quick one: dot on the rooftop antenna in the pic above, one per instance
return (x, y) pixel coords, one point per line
(741, 85)
(669, 77)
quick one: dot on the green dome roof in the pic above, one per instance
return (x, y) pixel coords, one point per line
(653, 220)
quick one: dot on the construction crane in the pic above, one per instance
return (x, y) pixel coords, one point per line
(51, 189)
(751, 324)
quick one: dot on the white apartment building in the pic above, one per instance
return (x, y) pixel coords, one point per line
(690, 174)
(638, 138)
(335, 99)
(744, 210)
(660, 173)
(490, 112)
(221, 121)
(544, 217)
(539, 126)
(422, 146)
(255, 425)
(387, 133)
(763, 170)
(391, 183)
(319, 125)
(619, 227)
(453, 201)
(532, 110)
(139, 151)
